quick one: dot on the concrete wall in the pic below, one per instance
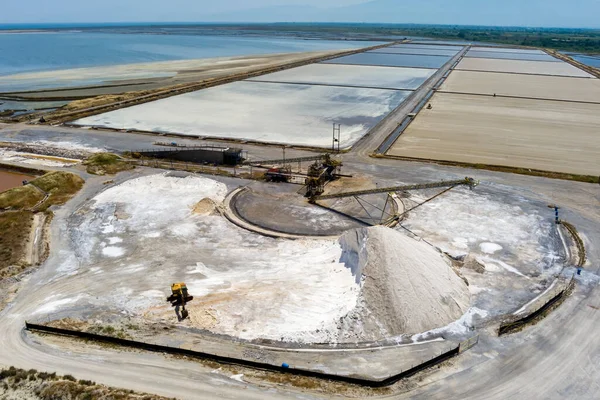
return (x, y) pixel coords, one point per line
(197, 156)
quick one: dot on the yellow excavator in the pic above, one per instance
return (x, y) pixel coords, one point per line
(180, 297)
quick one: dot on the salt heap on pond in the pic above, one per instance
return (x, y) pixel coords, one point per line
(407, 286)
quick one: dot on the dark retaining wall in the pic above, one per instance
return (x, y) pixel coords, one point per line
(508, 327)
(211, 156)
(242, 362)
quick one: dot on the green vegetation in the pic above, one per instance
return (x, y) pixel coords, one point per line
(20, 198)
(576, 40)
(14, 234)
(19, 383)
(21, 203)
(564, 39)
(106, 163)
(59, 186)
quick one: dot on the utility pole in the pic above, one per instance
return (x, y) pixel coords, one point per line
(337, 129)
(556, 208)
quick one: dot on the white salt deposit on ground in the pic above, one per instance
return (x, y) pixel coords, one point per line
(407, 285)
(491, 263)
(68, 146)
(469, 222)
(255, 287)
(247, 285)
(53, 305)
(264, 112)
(33, 159)
(459, 327)
(159, 200)
(113, 251)
(489, 248)
(298, 296)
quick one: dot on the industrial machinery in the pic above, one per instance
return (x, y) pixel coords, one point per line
(179, 298)
(319, 173)
(314, 197)
(278, 174)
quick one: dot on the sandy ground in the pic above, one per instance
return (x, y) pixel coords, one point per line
(521, 67)
(543, 87)
(135, 77)
(264, 112)
(538, 134)
(35, 159)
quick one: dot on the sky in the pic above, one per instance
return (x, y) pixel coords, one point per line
(552, 13)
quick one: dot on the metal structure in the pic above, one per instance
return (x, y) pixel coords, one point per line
(179, 297)
(208, 154)
(319, 173)
(390, 217)
(285, 160)
(466, 181)
(337, 135)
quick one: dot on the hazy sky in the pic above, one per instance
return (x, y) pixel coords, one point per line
(574, 13)
(139, 10)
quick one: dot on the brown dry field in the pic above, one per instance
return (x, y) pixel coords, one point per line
(521, 67)
(532, 86)
(535, 134)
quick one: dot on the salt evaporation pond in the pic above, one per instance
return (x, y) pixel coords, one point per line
(587, 59)
(392, 60)
(511, 56)
(410, 50)
(265, 112)
(507, 50)
(427, 46)
(351, 75)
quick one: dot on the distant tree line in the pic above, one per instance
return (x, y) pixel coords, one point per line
(564, 39)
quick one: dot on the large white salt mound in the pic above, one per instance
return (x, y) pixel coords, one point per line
(407, 286)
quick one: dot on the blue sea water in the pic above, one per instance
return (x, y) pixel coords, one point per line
(51, 50)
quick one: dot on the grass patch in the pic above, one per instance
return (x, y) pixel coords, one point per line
(106, 163)
(14, 234)
(20, 198)
(59, 185)
(49, 386)
(22, 202)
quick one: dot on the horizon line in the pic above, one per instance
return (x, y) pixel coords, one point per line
(41, 25)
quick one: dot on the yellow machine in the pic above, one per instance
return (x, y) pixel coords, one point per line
(180, 297)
